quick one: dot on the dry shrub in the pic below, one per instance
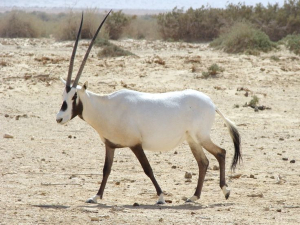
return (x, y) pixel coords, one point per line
(142, 27)
(69, 25)
(17, 24)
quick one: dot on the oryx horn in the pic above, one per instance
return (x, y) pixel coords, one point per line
(68, 83)
(88, 52)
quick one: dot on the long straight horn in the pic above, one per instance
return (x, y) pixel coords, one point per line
(88, 52)
(68, 83)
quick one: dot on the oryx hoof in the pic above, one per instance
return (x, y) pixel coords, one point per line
(93, 199)
(161, 200)
(192, 199)
(226, 192)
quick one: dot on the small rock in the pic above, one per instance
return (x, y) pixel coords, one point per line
(136, 204)
(215, 167)
(188, 175)
(236, 176)
(118, 183)
(278, 210)
(256, 195)
(293, 161)
(281, 139)
(168, 201)
(285, 159)
(173, 167)
(93, 218)
(252, 176)
(70, 136)
(8, 136)
(104, 216)
(6, 115)
(32, 138)
(175, 153)
(161, 220)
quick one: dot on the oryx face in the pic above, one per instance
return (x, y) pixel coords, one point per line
(72, 105)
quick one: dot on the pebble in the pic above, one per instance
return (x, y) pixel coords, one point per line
(8, 136)
(136, 204)
(293, 161)
(6, 115)
(285, 159)
(215, 167)
(236, 176)
(93, 218)
(252, 176)
(168, 201)
(161, 220)
(118, 183)
(188, 175)
(173, 167)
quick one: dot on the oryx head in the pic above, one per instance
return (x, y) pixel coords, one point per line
(72, 105)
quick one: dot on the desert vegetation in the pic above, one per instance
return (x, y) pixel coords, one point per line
(235, 28)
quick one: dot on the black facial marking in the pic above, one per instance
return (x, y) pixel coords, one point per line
(77, 108)
(74, 97)
(64, 106)
(68, 89)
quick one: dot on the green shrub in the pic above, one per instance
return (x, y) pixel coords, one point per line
(254, 101)
(109, 49)
(292, 42)
(243, 38)
(213, 70)
(115, 24)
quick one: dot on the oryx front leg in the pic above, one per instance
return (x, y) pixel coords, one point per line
(109, 156)
(202, 165)
(139, 153)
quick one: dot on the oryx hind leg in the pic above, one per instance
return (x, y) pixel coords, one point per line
(202, 162)
(220, 155)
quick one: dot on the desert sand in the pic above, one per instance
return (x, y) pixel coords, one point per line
(47, 171)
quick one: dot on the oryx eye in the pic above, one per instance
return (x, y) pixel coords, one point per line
(75, 96)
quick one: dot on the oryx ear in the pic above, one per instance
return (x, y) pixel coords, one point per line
(62, 80)
(85, 86)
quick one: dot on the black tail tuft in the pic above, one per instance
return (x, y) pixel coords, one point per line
(236, 138)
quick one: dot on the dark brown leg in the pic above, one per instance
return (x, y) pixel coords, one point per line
(202, 165)
(220, 155)
(139, 153)
(109, 156)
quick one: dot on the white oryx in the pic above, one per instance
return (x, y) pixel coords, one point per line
(144, 121)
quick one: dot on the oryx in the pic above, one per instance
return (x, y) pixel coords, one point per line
(146, 121)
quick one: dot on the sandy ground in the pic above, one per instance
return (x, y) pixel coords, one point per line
(47, 171)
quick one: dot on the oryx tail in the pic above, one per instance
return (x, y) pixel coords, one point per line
(236, 138)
